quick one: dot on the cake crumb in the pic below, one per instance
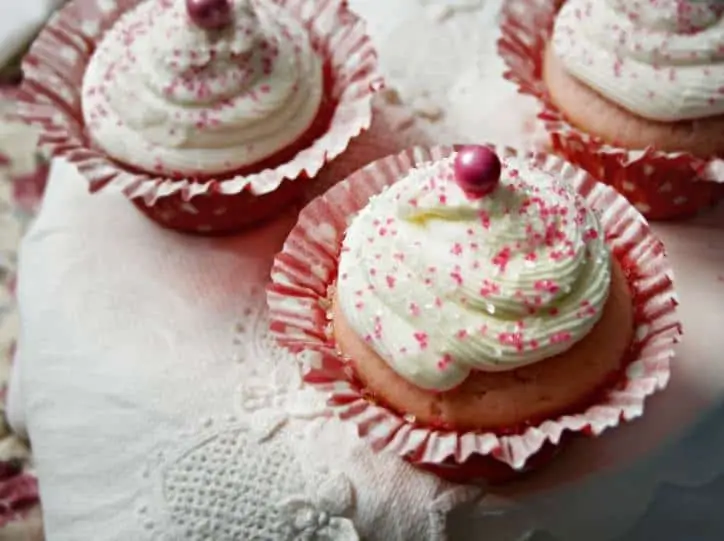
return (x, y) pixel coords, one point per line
(426, 109)
(391, 96)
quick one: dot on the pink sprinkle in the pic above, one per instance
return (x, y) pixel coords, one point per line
(457, 277)
(485, 219)
(359, 305)
(462, 333)
(414, 309)
(421, 338)
(560, 337)
(534, 344)
(438, 302)
(378, 330)
(502, 258)
(546, 285)
(590, 234)
(588, 310)
(457, 249)
(511, 339)
(446, 360)
(489, 288)
(382, 232)
(390, 281)
(443, 199)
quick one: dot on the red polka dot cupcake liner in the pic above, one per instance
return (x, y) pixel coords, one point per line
(662, 185)
(50, 98)
(300, 298)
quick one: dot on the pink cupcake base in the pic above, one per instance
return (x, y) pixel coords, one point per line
(304, 275)
(661, 185)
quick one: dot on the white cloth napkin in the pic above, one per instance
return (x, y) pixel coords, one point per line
(128, 348)
(19, 21)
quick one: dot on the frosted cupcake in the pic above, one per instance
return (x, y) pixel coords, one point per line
(632, 92)
(480, 304)
(207, 113)
(481, 311)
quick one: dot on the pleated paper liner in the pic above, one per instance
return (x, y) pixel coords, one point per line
(304, 276)
(662, 185)
(50, 97)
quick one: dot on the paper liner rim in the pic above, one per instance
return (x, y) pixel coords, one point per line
(513, 50)
(356, 79)
(306, 267)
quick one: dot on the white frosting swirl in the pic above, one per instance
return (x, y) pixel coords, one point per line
(439, 284)
(659, 59)
(168, 97)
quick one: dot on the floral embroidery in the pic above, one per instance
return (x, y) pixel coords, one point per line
(307, 523)
(321, 518)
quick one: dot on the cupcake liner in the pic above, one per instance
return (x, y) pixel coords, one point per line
(662, 185)
(50, 97)
(302, 283)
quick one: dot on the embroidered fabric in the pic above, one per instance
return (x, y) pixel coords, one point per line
(228, 486)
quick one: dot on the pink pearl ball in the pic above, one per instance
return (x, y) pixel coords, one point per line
(209, 14)
(477, 170)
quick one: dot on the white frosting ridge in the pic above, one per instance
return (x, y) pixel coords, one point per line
(659, 59)
(168, 97)
(439, 284)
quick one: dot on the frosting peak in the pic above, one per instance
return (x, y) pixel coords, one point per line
(660, 59)
(169, 96)
(440, 284)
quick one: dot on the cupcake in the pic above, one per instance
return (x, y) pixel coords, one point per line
(632, 91)
(208, 114)
(482, 303)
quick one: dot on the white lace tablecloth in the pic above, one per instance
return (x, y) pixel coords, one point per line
(159, 408)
